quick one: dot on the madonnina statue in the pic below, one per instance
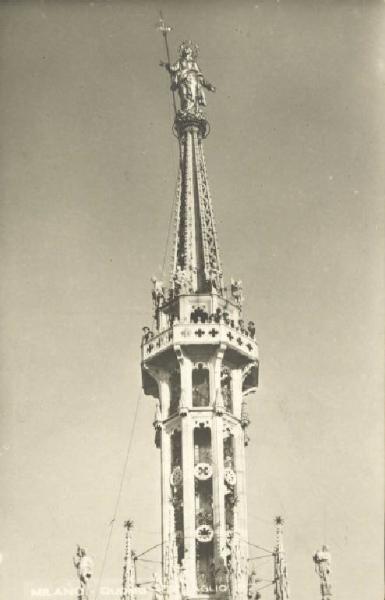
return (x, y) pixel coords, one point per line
(187, 79)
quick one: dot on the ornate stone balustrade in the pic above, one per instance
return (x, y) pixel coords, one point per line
(157, 342)
(201, 333)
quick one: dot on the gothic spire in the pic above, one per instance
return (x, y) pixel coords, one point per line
(128, 583)
(196, 262)
(280, 569)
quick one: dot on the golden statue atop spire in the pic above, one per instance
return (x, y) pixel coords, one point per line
(187, 79)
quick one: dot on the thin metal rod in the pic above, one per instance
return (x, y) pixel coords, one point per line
(265, 586)
(259, 547)
(148, 550)
(164, 29)
(147, 560)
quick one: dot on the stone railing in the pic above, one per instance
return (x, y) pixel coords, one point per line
(201, 333)
(156, 343)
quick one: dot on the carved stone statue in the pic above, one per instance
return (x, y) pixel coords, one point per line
(147, 334)
(84, 566)
(158, 292)
(182, 281)
(322, 561)
(187, 79)
(253, 592)
(236, 291)
(215, 280)
(157, 589)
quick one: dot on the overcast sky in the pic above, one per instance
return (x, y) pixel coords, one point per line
(88, 165)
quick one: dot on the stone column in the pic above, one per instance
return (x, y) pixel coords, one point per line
(187, 463)
(185, 378)
(241, 508)
(189, 503)
(236, 390)
(166, 492)
(218, 461)
(162, 378)
(164, 393)
(218, 488)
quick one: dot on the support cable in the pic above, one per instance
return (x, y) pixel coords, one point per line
(112, 522)
(148, 550)
(259, 547)
(147, 560)
(266, 586)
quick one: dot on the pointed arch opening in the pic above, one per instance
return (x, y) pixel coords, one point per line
(200, 386)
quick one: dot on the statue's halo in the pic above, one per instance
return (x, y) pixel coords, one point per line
(188, 44)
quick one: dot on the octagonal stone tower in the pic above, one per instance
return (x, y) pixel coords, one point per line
(200, 363)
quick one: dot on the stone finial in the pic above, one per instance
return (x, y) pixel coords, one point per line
(245, 421)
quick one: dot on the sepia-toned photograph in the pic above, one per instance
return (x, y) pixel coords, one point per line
(192, 299)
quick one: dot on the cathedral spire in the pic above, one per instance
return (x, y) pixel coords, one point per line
(196, 262)
(197, 364)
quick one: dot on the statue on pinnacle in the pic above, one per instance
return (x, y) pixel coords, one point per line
(187, 79)
(322, 561)
(84, 566)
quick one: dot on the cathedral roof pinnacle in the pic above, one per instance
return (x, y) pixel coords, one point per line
(196, 262)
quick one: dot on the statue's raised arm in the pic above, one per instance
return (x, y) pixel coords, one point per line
(187, 79)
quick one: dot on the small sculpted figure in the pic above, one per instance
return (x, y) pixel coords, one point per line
(157, 593)
(253, 593)
(202, 582)
(146, 333)
(322, 561)
(84, 565)
(236, 291)
(214, 278)
(218, 315)
(182, 281)
(187, 79)
(251, 329)
(158, 292)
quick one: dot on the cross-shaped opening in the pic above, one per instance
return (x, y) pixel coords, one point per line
(199, 332)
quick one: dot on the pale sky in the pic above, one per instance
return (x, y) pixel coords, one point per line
(88, 166)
